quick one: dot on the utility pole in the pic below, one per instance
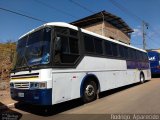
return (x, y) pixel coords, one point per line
(102, 24)
(144, 27)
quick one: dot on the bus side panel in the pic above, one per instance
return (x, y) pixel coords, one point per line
(61, 87)
(110, 72)
(147, 74)
(110, 79)
(66, 86)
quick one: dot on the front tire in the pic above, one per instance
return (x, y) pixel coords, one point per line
(89, 91)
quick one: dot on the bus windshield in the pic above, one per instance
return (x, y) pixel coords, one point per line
(34, 49)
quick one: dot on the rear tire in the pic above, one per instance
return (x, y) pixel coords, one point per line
(89, 91)
(142, 79)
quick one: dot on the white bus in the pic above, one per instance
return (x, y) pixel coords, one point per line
(58, 62)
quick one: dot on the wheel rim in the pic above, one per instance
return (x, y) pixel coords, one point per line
(142, 78)
(89, 90)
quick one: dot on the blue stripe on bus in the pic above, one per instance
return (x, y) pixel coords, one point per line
(36, 96)
(137, 65)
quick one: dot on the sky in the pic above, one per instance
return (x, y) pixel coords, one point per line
(12, 26)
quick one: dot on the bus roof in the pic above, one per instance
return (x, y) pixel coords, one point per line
(63, 24)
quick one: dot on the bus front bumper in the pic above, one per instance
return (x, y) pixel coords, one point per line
(35, 96)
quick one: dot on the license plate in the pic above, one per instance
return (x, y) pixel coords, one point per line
(20, 94)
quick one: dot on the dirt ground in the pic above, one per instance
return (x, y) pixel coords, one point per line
(5, 97)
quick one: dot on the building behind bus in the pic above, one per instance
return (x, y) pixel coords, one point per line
(106, 24)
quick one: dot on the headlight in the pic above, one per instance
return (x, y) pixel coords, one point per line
(11, 85)
(38, 85)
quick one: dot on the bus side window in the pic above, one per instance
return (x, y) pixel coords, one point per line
(131, 54)
(126, 52)
(121, 51)
(141, 56)
(73, 54)
(66, 47)
(98, 46)
(138, 55)
(61, 47)
(134, 55)
(74, 48)
(108, 48)
(64, 43)
(115, 49)
(89, 44)
(145, 57)
(73, 33)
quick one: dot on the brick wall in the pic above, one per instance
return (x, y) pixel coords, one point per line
(108, 31)
(158, 50)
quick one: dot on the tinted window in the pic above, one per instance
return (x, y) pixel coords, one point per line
(47, 34)
(121, 51)
(22, 42)
(67, 51)
(89, 45)
(126, 52)
(146, 57)
(35, 37)
(64, 43)
(69, 58)
(138, 55)
(98, 46)
(134, 55)
(108, 48)
(115, 49)
(73, 32)
(73, 42)
(141, 55)
(61, 30)
(130, 53)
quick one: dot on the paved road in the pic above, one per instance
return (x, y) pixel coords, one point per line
(133, 99)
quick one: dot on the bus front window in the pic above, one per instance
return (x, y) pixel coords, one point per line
(34, 49)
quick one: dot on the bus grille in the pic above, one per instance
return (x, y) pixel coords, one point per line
(22, 85)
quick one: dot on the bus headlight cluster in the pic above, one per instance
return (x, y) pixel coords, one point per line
(38, 85)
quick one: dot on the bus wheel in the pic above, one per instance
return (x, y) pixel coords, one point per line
(89, 91)
(142, 79)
